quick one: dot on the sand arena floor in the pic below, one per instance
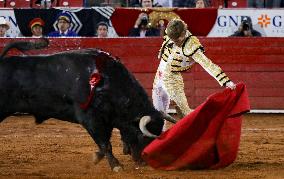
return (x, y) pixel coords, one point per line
(65, 150)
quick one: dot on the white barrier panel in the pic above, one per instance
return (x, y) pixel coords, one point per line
(269, 22)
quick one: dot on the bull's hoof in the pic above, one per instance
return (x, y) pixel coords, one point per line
(141, 163)
(117, 169)
(97, 157)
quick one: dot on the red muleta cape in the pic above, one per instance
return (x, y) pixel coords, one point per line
(207, 138)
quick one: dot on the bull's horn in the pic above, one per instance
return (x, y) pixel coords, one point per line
(169, 118)
(142, 125)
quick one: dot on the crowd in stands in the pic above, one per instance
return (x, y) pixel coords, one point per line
(141, 27)
(139, 3)
(188, 3)
(265, 3)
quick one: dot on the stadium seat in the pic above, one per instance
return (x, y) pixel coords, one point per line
(229, 3)
(2, 3)
(71, 3)
(34, 5)
(18, 3)
(237, 3)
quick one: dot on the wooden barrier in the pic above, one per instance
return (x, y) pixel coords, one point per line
(258, 62)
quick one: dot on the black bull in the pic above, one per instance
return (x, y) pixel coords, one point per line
(56, 86)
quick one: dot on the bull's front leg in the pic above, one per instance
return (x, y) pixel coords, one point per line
(105, 149)
(131, 144)
(113, 162)
(101, 134)
(136, 155)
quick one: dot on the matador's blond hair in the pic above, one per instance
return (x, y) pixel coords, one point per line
(175, 28)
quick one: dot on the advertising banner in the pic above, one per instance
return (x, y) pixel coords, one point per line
(269, 22)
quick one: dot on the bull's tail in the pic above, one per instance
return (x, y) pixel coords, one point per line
(25, 45)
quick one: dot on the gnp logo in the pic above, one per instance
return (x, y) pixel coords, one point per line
(263, 20)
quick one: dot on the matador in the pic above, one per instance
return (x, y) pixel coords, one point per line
(180, 50)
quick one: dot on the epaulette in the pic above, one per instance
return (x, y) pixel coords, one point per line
(191, 45)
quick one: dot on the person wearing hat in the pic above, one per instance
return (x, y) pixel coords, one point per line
(36, 25)
(64, 21)
(4, 27)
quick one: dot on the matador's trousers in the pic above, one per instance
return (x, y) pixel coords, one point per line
(169, 86)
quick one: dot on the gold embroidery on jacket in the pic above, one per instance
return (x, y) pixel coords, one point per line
(191, 45)
(180, 58)
(213, 69)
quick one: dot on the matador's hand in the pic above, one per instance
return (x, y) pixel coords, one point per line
(231, 85)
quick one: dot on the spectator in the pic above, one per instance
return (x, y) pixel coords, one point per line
(44, 3)
(184, 3)
(102, 30)
(89, 3)
(36, 25)
(246, 29)
(266, 3)
(256, 3)
(141, 3)
(64, 21)
(133, 3)
(147, 3)
(4, 27)
(201, 4)
(163, 3)
(277, 3)
(188, 3)
(142, 28)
